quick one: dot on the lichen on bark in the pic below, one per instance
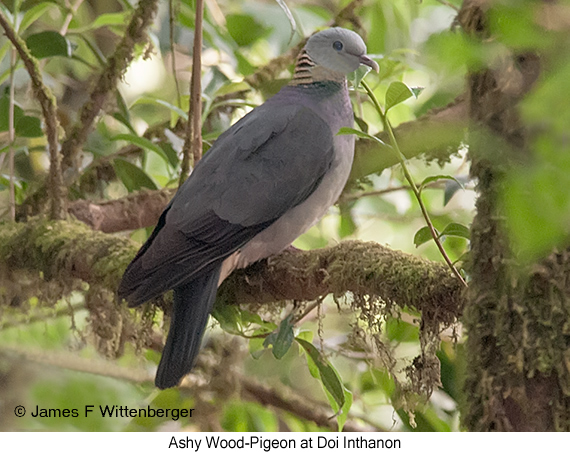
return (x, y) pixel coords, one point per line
(70, 256)
(517, 314)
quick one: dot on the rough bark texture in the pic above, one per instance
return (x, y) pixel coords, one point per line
(69, 252)
(517, 317)
(139, 210)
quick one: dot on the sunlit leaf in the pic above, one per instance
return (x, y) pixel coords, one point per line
(231, 88)
(3, 50)
(357, 76)
(457, 230)
(141, 142)
(244, 29)
(347, 225)
(105, 20)
(397, 93)
(359, 134)
(422, 236)
(33, 14)
(430, 179)
(343, 410)
(151, 100)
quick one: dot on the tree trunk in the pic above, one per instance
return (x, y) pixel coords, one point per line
(518, 358)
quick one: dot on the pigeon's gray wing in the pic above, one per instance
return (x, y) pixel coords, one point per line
(267, 163)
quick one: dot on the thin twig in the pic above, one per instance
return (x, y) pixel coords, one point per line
(70, 361)
(66, 311)
(12, 137)
(72, 9)
(307, 311)
(363, 194)
(193, 144)
(446, 3)
(410, 180)
(47, 102)
(288, 401)
(172, 10)
(116, 66)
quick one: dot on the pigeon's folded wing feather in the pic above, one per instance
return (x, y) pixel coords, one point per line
(267, 163)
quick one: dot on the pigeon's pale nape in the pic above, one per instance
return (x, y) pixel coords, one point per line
(265, 181)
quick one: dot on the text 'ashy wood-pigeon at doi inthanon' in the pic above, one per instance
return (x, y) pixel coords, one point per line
(264, 182)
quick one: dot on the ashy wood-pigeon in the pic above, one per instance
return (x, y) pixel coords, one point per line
(264, 182)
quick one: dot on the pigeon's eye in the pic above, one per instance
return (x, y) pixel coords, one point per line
(337, 45)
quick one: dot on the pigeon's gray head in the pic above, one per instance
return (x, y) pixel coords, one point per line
(339, 50)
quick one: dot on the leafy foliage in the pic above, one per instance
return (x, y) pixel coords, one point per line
(136, 145)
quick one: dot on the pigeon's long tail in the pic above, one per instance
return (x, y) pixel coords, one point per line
(192, 305)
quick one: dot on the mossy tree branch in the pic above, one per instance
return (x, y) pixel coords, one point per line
(116, 66)
(70, 251)
(517, 315)
(55, 188)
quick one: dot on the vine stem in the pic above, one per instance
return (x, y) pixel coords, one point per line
(409, 178)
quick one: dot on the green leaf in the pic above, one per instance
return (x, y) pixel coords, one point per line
(132, 176)
(33, 14)
(3, 50)
(231, 88)
(163, 103)
(457, 230)
(422, 236)
(124, 120)
(357, 76)
(48, 44)
(244, 29)
(248, 318)
(344, 409)
(29, 127)
(347, 224)
(141, 142)
(400, 331)
(362, 124)
(228, 316)
(256, 347)
(360, 134)
(431, 179)
(397, 93)
(105, 20)
(4, 113)
(123, 115)
(305, 335)
(416, 90)
(282, 338)
(327, 373)
(452, 187)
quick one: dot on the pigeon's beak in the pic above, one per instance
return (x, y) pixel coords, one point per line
(367, 61)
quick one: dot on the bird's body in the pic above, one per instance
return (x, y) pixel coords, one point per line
(264, 182)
